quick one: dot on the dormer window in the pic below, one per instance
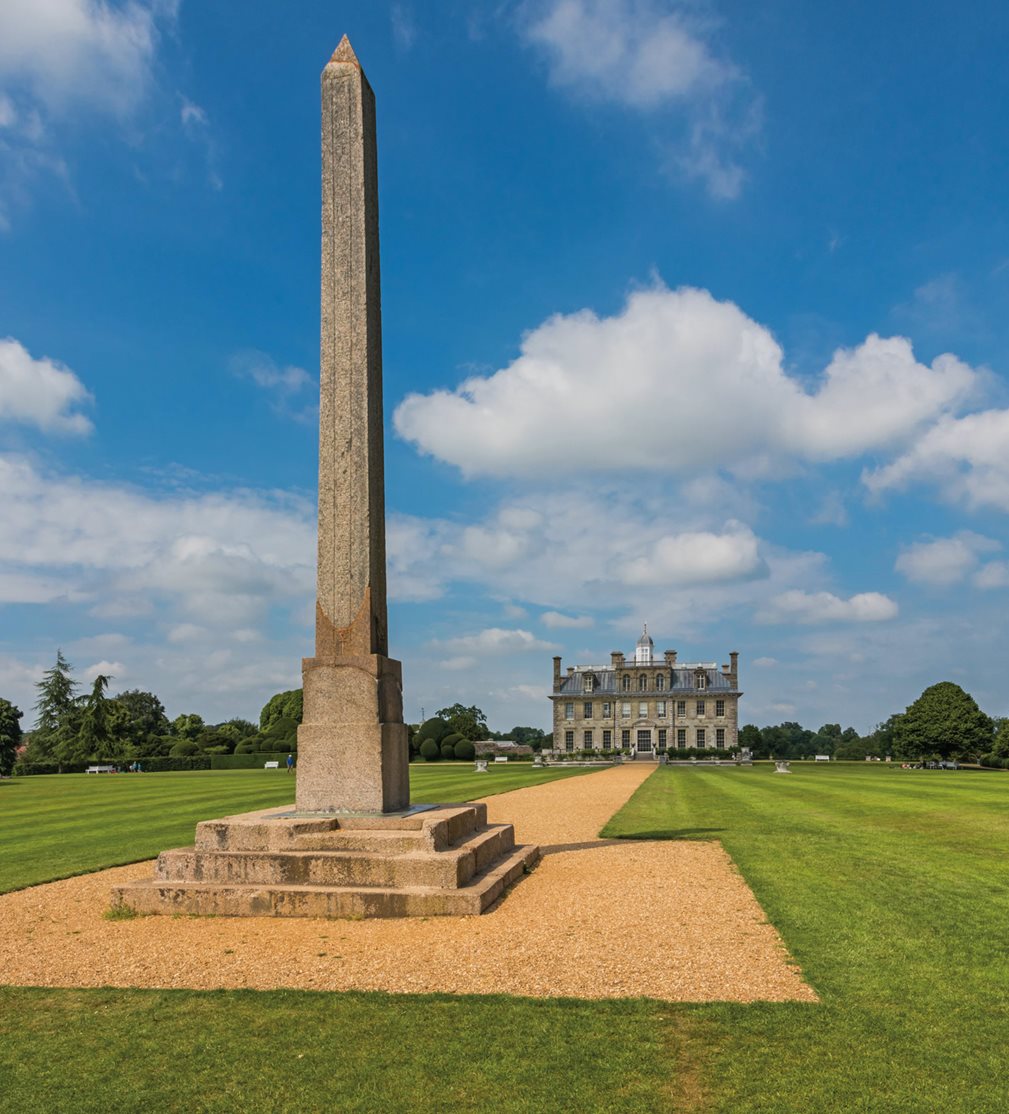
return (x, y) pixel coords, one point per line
(589, 682)
(701, 681)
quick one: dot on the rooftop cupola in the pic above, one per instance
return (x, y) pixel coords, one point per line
(645, 649)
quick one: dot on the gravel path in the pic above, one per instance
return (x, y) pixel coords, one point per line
(596, 919)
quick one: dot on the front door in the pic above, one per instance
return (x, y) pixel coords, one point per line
(644, 742)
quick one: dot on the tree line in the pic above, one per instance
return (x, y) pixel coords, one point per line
(944, 723)
(74, 727)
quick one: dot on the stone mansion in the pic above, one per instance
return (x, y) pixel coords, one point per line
(646, 705)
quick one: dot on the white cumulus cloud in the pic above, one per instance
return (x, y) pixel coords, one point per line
(495, 641)
(966, 458)
(40, 392)
(943, 561)
(798, 606)
(653, 58)
(81, 51)
(700, 557)
(676, 382)
(557, 620)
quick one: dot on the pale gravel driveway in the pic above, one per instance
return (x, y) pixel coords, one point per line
(596, 919)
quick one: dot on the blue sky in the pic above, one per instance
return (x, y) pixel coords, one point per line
(694, 313)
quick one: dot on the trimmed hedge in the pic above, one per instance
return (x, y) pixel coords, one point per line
(175, 764)
(248, 761)
(33, 769)
(430, 751)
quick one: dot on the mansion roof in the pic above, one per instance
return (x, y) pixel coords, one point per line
(682, 679)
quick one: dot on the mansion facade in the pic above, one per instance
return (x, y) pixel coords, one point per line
(646, 705)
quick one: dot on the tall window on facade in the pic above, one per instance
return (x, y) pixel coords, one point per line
(700, 707)
(569, 711)
(587, 740)
(625, 738)
(719, 707)
(660, 681)
(625, 682)
(569, 740)
(681, 707)
(719, 736)
(607, 740)
(662, 738)
(625, 711)
(587, 711)
(643, 683)
(700, 737)
(681, 736)
(606, 709)
(642, 709)
(660, 709)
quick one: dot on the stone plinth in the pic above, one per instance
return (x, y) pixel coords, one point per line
(425, 862)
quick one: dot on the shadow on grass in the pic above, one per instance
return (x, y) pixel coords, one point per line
(671, 833)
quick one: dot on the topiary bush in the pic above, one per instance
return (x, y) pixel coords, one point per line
(465, 750)
(184, 748)
(435, 728)
(453, 738)
(448, 751)
(430, 751)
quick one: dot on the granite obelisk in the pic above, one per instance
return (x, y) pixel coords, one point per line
(352, 744)
(350, 847)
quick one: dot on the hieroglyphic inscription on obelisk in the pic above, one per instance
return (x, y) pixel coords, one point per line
(352, 745)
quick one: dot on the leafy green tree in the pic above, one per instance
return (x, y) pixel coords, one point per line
(282, 705)
(470, 722)
(55, 710)
(145, 727)
(943, 721)
(749, 736)
(188, 726)
(528, 736)
(1001, 745)
(10, 735)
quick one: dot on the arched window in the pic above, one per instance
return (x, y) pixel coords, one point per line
(660, 681)
(642, 683)
(625, 682)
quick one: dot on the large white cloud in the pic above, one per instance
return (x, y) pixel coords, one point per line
(40, 392)
(221, 557)
(677, 382)
(967, 458)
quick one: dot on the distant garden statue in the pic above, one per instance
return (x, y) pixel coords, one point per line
(782, 768)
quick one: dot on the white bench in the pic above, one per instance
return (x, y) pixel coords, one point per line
(100, 770)
(501, 758)
(271, 765)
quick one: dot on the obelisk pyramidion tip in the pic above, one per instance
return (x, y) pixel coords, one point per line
(345, 53)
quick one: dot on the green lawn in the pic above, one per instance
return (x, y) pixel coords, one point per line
(58, 825)
(891, 888)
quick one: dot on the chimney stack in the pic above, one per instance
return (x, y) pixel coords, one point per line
(670, 656)
(557, 674)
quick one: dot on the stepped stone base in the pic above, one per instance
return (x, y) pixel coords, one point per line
(442, 861)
